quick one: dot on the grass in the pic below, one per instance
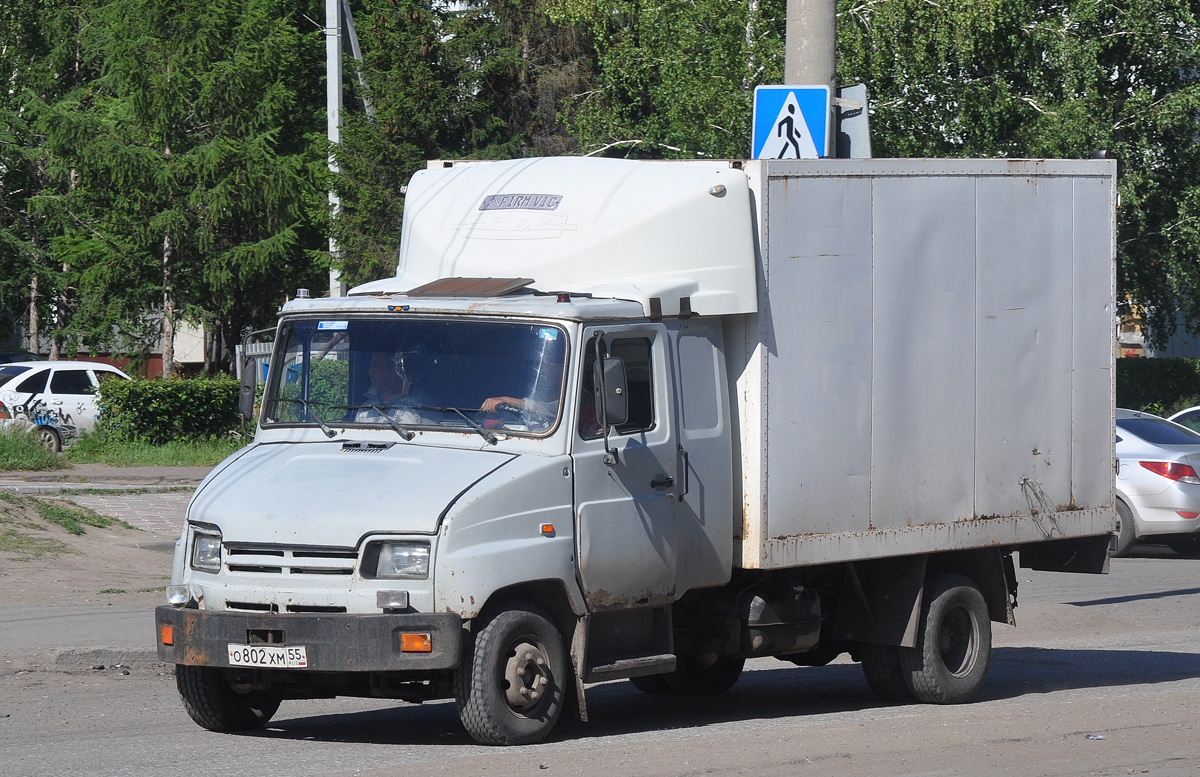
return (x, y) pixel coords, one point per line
(73, 518)
(94, 449)
(28, 546)
(22, 450)
(24, 519)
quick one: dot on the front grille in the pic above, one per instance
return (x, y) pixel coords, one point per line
(284, 560)
(274, 608)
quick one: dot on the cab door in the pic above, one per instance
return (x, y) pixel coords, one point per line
(626, 511)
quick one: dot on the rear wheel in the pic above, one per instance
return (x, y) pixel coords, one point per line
(1124, 533)
(881, 665)
(653, 684)
(693, 678)
(50, 439)
(512, 683)
(224, 699)
(954, 646)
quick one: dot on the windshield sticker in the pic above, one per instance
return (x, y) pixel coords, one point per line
(331, 326)
(548, 333)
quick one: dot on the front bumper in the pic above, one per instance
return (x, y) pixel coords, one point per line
(334, 642)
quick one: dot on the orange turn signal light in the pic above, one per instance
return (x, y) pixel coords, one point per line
(167, 634)
(548, 529)
(416, 643)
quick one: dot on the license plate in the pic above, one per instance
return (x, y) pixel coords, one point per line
(268, 656)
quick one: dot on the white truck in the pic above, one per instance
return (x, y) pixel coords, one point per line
(648, 420)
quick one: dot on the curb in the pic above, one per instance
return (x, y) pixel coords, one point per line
(21, 487)
(101, 658)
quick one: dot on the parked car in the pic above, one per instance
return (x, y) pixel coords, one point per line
(56, 398)
(1189, 418)
(1158, 483)
(7, 357)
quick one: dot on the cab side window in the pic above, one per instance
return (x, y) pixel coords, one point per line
(635, 352)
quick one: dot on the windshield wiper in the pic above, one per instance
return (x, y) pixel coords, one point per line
(313, 414)
(484, 433)
(403, 431)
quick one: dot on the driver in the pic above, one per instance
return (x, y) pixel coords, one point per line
(541, 407)
(393, 385)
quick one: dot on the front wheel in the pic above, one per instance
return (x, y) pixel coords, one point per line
(511, 684)
(224, 699)
(954, 646)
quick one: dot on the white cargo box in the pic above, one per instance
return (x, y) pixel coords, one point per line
(931, 366)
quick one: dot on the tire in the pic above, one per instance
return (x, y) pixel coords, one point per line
(218, 700)
(954, 645)
(653, 684)
(50, 439)
(881, 665)
(513, 680)
(1124, 533)
(691, 678)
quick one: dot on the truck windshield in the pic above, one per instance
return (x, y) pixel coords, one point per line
(415, 373)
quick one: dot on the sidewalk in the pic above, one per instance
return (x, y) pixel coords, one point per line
(102, 476)
(83, 636)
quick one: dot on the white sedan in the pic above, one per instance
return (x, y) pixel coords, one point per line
(1158, 482)
(58, 399)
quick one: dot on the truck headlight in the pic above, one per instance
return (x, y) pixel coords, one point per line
(206, 551)
(403, 559)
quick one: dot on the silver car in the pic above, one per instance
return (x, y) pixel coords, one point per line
(1158, 482)
(55, 398)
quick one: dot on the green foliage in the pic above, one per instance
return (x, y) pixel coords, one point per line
(160, 411)
(172, 165)
(20, 449)
(329, 386)
(676, 78)
(1159, 386)
(100, 449)
(175, 164)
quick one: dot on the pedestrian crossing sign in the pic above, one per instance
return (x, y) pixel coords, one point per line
(790, 122)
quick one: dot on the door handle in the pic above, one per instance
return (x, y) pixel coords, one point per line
(662, 481)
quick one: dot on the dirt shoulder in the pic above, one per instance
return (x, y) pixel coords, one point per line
(42, 563)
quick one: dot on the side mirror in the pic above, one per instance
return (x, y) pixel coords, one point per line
(246, 393)
(615, 399)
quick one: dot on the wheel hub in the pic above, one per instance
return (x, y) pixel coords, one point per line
(957, 640)
(526, 675)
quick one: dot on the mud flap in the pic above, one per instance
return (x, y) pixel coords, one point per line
(881, 601)
(1088, 555)
(578, 657)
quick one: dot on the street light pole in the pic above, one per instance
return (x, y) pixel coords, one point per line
(809, 51)
(333, 113)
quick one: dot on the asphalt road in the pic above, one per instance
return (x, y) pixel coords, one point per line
(1101, 677)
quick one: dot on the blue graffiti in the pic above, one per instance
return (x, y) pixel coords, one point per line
(36, 411)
